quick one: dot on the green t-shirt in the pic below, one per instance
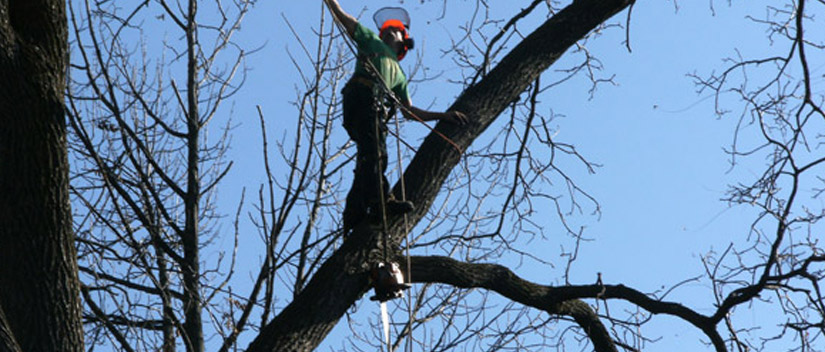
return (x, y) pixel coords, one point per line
(383, 58)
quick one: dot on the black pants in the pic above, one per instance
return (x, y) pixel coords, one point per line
(364, 120)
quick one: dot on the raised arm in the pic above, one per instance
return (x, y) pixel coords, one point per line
(346, 19)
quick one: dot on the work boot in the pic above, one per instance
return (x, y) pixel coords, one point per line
(399, 207)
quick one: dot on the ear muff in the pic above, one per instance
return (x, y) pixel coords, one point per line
(409, 43)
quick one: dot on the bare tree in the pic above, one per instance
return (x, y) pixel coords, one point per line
(471, 237)
(780, 116)
(146, 167)
(303, 323)
(144, 174)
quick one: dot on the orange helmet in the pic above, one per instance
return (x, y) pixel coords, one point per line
(395, 17)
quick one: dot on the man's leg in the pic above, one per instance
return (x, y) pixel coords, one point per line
(357, 106)
(382, 185)
(355, 209)
(364, 122)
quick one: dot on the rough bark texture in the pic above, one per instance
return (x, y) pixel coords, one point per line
(339, 282)
(306, 321)
(38, 267)
(7, 341)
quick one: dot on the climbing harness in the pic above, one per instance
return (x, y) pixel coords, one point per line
(383, 85)
(387, 280)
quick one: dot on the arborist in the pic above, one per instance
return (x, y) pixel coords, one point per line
(377, 73)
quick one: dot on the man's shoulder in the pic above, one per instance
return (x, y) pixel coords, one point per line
(364, 34)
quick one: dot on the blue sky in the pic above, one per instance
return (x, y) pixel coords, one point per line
(661, 147)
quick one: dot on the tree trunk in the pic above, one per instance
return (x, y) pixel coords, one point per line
(306, 321)
(38, 264)
(7, 341)
(192, 305)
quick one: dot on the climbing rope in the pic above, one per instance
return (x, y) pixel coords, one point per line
(390, 94)
(410, 310)
(383, 85)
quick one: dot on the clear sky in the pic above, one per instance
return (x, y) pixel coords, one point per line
(664, 170)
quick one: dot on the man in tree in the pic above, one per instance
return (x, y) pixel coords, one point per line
(377, 84)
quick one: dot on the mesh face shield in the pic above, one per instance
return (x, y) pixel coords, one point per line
(391, 13)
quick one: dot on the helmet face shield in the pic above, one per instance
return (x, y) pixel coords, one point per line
(395, 17)
(391, 13)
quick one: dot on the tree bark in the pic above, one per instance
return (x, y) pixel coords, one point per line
(342, 279)
(503, 281)
(38, 264)
(7, 341)
(192, 305)
(485, 101)
(564, 300)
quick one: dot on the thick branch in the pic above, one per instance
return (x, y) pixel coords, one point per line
(563, 300)
(485, 101)
(339, 282)
(506, 283)
(306, 321)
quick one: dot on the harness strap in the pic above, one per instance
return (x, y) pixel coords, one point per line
(364, 81)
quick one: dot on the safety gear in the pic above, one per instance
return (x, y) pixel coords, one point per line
(391, 13)
(395, 17)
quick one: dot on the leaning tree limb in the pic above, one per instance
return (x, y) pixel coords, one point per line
(342, 279)
(560, 300)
